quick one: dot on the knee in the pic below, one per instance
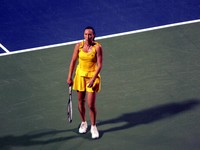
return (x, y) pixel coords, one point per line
(81, 102)
(91, 106)
(81, 98)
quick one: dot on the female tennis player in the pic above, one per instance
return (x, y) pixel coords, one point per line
(87, 80)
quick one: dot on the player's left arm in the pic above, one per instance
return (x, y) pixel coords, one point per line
(99, 50)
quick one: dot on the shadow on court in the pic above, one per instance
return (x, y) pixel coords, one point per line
(130, 119)
(31, 139)
(149, 115)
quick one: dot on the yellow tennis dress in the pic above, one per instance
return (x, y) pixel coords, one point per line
(86, 69)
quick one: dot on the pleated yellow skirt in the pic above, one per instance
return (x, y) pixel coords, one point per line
(80, 84)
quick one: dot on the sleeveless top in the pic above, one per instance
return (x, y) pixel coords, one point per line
(87, 61)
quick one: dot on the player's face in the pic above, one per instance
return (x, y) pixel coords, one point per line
(88, 35)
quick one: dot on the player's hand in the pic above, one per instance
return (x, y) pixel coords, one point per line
(90, 84)
(70, 82)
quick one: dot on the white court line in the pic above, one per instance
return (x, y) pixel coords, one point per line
(5, 49)
(98, 38)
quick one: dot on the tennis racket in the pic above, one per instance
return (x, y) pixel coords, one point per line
(69, 105)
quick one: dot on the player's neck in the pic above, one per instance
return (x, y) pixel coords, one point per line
(88, 43)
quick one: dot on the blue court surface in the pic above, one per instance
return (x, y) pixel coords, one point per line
(34, 23)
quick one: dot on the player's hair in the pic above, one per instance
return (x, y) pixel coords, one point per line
(90, 27)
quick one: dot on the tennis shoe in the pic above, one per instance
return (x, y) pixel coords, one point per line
(94, 132)
(83, 127)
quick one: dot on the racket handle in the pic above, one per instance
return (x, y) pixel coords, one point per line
(70, 89)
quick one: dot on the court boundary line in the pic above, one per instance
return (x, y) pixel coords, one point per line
(97, 38)
(4, 48)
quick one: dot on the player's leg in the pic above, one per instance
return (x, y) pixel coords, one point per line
(81, 108)
(91, 103)
(81, 105)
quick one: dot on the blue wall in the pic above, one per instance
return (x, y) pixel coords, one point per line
(34, 23)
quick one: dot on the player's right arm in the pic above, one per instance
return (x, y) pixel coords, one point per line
(72, 64)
